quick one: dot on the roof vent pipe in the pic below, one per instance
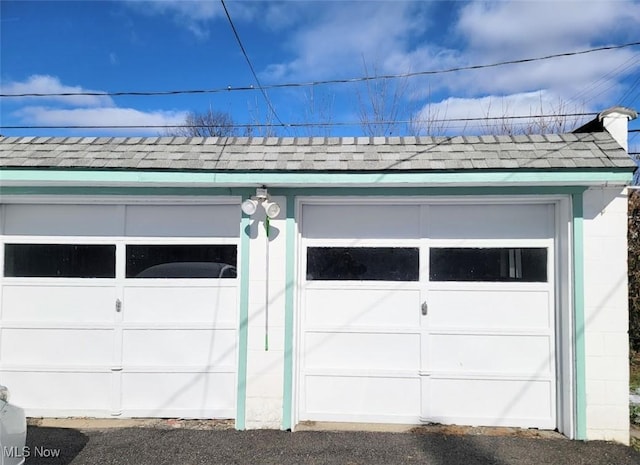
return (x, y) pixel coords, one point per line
(616, 122)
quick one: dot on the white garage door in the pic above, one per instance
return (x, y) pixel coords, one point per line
(428, 313)
(120, 310)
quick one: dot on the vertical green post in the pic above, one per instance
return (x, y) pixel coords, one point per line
(243, 329)
(579, 317)
(287, 394)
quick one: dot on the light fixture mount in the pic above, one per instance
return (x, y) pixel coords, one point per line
(262, 194)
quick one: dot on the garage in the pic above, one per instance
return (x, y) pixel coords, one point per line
(472, 280)
(428, 311)
(121, 309)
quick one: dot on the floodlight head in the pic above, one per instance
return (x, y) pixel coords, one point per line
(272, 209)
(249, 206)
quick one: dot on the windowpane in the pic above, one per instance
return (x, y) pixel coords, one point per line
(362, 263)
(181, 261)
(59, 261)
(488, 264)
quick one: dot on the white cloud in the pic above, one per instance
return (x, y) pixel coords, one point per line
(343, 34)
(45, 84)
(506, 29)
(195, 15)
(398, 37)
(494, 108)
(502, 31)
(113, 116)
(81, 110)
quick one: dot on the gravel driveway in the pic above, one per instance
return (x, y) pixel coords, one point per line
(160, 446)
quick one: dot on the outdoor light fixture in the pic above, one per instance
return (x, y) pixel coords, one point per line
(250, 206)
(272, 209)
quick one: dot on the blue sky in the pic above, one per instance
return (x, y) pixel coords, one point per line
(61, 46)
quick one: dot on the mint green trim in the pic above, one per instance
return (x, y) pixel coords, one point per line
(133, 191)
(287, 394)
(579, 319)
(293, 179)
(319, 191)
(243, 327)
(427, 191)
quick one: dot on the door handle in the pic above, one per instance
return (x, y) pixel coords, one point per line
(118, 305)
(424, 307)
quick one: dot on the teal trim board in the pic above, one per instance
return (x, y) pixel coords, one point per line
(403, 192)
(243, 327)
(320, 191)
(316, 178)
(121, 190)
(579, 321)
(287, 395)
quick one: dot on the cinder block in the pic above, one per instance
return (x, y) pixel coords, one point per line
(616, 344)
(263, 413)
(607, 417)
(605, 318)
(607, 368)
(256, 337)
(620, 435)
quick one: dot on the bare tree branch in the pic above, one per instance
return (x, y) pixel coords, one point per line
(207, 124)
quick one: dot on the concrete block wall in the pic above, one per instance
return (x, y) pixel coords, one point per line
(606, 314)
(265, 340)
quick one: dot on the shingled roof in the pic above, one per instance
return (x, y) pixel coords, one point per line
(597, 150)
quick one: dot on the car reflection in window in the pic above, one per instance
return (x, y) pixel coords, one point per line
(189, 270)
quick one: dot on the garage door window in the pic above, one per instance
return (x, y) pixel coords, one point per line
(181, 261)
(60, 261)
(488, 264)
(363, 263)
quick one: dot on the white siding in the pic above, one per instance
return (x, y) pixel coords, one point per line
(606, 314)
(265, 350)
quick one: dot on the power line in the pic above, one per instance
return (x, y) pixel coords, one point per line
(253, 71)
(320, 82)
(316, 124)
(590, 89)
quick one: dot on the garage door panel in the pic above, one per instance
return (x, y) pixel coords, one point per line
(492, 401)
(183, 304)
(39, 393)
(361, 397)
(169, 349)
(482, 349)
(460, 353)
(361, 221)
(200, 394)
(362, 351)
(57, 347)
(175, 348)
(361, 307)
(183, 220)
(491, 222)
(63, 220)
(491, 309)
(62, 304)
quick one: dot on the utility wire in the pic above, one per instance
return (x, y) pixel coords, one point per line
(253, 71)
(322, 82)
(318, 124)
(605, 79)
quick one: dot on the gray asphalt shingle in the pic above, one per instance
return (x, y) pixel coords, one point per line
(552, 151)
